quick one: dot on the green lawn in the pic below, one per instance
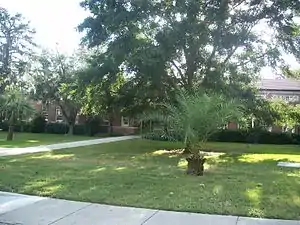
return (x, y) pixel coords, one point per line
(29, 139)
(244, 181)
(238, 148)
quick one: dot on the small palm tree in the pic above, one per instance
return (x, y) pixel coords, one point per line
(15, 107)
(194, 118)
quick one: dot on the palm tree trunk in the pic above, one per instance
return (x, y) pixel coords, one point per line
(10, 134)
(195, 164)
(188, 148)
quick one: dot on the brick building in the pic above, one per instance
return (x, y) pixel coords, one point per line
(285, 89)
(53, 114)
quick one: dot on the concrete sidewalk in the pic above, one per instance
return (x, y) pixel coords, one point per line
(45, 148)
(29, 210)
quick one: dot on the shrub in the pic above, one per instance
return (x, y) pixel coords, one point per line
(230, 136)
(38, 124)
(93, 125)
(296, 138)
(254, 136)
(62, 128)
(4, 125)
(242, 136)
(275, 138)
(161, 135)
(56, 128)
(80, 129)
(103, 129)
(21, 126)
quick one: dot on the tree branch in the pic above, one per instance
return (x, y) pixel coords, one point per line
(238, 4)
(70, 118)
(230, 55)
(216, 39)
(209, 61)
(248, 30)
(248, 61)
(179, 72)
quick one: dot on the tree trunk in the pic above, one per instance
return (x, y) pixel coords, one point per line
(195, 164)
(141, 127)
(10, 134)
(71, 129)
(110, 128)
(70, 113)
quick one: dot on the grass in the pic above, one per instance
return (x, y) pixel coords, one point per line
(244, 181)
(252, 148)
(29, 139)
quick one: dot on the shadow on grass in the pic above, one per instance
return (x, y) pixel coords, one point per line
(128, 173)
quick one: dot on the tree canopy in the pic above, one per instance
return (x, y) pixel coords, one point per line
(14, 107)
(16, 42)
(55, 80)
(101, 96)
(211, 44)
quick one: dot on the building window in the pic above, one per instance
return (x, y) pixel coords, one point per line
(105, 122)
(59, 115)
(45, 111)
(293, 98)
(289, 98)
(124, 121)
(77, 120)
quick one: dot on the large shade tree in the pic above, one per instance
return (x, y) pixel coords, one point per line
(55, 81)
(100, 91)
(15, 107)
(287, 114)
(194, 118)
(218, 45)
(16, 47)
(108, 89)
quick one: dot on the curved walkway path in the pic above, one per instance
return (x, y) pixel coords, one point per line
(45, 148)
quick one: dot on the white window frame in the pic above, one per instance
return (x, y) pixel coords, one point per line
(58, 109)
(45, 111)
(293, 98)
(105, 122)
(123, 123)
(77, 119)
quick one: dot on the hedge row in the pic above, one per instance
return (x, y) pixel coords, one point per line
(255, 136)
(241, 136)
(56, 128)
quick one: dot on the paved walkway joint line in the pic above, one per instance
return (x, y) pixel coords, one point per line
(150, 217)
(69, 214)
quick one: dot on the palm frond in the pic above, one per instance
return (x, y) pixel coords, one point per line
(196, 116)
(15, 103)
